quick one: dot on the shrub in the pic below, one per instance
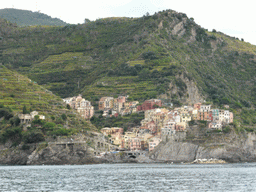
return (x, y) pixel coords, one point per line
(25, 147)
(15, 121)
(150, 55)
(5, 113)
(62, 131)
(49, 125)
(249, 129)
(191, 122)
(64, 117)
(33, 136)
(11, 133)
(226, 129)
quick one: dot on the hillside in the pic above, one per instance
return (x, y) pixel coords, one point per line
(19, 94)
(27, 18)
(166, 55)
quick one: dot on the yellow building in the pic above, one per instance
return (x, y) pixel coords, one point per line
(185, 117)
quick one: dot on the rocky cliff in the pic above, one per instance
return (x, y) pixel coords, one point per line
(48, 155)
(231, 148)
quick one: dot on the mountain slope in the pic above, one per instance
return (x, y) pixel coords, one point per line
(27, 18)
(166, 55)
(18, 91)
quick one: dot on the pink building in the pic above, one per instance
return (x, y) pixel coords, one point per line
(135, 144)
(151, 126)
(153, 143)
(197, 106)
(121, 99)
(231, 117)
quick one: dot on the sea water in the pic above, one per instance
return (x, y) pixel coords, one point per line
(130, 177)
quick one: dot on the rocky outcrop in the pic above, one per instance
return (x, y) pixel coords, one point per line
(57, 154)
(48, 155)
(191, 93)
(175, 152)
(242, 149)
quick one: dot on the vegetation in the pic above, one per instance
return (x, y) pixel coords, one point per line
(27, 18)
(21, 95)
(11, 129)
(127, 121)
(139, 57)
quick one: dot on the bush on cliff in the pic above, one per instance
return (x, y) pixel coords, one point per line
(33, 136)
(14, 134)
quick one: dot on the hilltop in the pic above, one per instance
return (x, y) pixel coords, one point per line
(166, 55)
(27, 18)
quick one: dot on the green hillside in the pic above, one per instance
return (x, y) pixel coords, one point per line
(27, 18)
(154, 56)
(19, 94)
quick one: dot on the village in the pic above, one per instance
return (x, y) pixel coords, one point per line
(159, 123)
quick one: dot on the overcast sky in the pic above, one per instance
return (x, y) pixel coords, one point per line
(233, 17)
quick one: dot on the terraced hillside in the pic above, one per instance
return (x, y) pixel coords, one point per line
(17, 92)
(165, 55)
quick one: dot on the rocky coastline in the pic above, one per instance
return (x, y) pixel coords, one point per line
(241, 149)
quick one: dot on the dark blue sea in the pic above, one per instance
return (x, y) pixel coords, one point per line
(129, 177)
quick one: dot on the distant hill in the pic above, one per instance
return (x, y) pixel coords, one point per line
(26, 18)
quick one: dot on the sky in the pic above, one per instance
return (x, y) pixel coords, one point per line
(232, 17)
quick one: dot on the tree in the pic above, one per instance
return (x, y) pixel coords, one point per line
(49, 126)
(34, 136)
(25, 111)
(144, 74)
(64, 117)
(86, 21)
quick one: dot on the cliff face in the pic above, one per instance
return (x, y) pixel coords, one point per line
(188, 94)
(175, 152)
(241, 149)
(48, 155)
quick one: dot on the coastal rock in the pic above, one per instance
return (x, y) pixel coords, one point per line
(175, 152)
(49, 155)
(77, 154)
(242, 149)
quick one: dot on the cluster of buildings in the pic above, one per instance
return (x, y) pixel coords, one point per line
(83, 107)
(161, 124)
(133, 140)
(110, 106)
(115, 106)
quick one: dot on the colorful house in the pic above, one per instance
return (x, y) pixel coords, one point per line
(150, 104)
